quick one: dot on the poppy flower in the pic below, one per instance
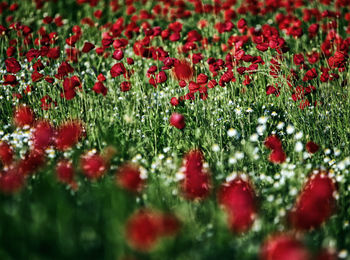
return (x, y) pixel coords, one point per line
(283, 246)
(273, 142)
(177, 120)
(87, 47)
(145, 227)
(312, 147)
(99, 88)
(12, 65)
(183, 70)
(117, 70)
(316, 202)
(93, 166)
(65, 171)
(277, 156)
(238, 199)
(6, 153)
(196, 183)
(128, 177)
(32, 161)
(23, 115)
(42, 135)
(68, 134)
(11, 180)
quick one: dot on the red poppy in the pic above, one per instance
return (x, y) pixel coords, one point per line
(42, 135)
(183, 70)
(312, 147)
(145, 227)
(11, 180)
(23, 115)
(12, 65)
(316, 202)
(65, 171)
(117, 70)
(128, 177)
(177, 120)
(283, 246)
(196, 184)
(93, 166)
(238, 199)
(6, 153)
(68, 134)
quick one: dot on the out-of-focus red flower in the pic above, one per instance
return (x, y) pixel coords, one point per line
(88, 46)
(177, 120)
(238, 199)
(68, 134)
(196, 182)
(23, 115)
(32, 161)
(6, 153)
(277, 156)
(284, 246)
(128, 177)
(42, 135)
(11, 180)
(273, 142)
(316, 202)
(65, 171)
(183, 70)
(145, 227)
(93, 166)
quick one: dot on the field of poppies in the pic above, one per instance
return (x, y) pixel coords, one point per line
(173, 129)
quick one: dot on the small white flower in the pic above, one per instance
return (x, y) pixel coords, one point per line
(290, 129)
(239, 155)
(261, 129)
(262, 120)
(298, 146)
(215, 148)
(232, 132)
(280, 125)
(298, 135)
(254, 138)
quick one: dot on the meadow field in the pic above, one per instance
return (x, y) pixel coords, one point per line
(173, 129)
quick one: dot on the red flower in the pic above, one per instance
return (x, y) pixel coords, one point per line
(87, 47)
(11, 180)
(315, 203)
(42, 135)
(65, 171)
(6, 153)
(277, 156)
(312, 147)
(33, 160)
(24, 115)
(12, 65)
(238, 199)
(118, 55)
(177, 120)
(68, 134)
(117, 70)
(99, 88)
(94, 166)
(125, 86)
(144, 228)
(183, 70)
(310, 74)
(196, 184)
(128, 177)
(284, 247)
(273, 142)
